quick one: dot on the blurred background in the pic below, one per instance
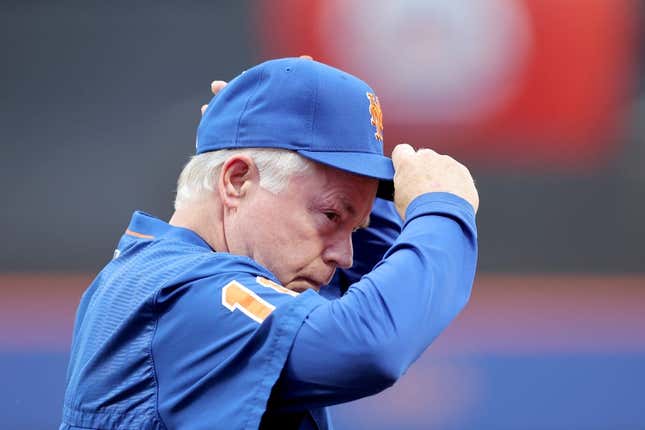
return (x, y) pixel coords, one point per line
(543, 99)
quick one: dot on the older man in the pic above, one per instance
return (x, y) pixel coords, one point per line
(214, 320)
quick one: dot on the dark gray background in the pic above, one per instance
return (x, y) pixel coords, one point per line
(99, 102)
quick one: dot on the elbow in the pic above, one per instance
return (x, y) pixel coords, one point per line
(389, 370)
(384, 365)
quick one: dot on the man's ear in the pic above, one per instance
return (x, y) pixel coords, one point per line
(237, 177)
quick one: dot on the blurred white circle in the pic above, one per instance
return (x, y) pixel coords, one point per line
(431, 60)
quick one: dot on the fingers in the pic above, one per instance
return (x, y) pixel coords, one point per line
(400, 153)
(216, 86)
(426, 171)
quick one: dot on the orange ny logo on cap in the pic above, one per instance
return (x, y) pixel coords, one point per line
(377, 115)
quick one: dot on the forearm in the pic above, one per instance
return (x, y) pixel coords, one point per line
(371, 335)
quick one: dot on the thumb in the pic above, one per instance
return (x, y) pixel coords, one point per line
(400, 153)
(217, 86)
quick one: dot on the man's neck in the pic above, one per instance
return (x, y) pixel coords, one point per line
(203, 219)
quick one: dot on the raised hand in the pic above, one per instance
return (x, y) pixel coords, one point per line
(426, 171)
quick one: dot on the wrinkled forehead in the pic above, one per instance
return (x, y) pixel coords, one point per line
(351, 192)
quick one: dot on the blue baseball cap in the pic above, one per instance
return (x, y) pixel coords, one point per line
(320, 112)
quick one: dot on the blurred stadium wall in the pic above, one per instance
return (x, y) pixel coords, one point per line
(543, 99)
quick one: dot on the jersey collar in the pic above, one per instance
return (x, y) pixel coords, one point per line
(146, 226)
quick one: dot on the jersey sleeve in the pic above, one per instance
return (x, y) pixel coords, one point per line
(363, 342)
(219, 346)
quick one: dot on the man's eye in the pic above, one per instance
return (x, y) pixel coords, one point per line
(332, 216)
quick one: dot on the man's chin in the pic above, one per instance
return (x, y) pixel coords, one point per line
(300, 285)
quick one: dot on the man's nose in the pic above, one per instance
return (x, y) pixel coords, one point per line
(340, 253)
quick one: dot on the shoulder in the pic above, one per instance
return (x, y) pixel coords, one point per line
(224, 330)
(223, 284)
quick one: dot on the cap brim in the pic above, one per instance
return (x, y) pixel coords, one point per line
(372, 165)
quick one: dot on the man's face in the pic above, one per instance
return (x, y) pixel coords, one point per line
(304, 233)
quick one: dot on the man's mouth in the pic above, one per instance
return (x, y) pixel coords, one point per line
(311, 284)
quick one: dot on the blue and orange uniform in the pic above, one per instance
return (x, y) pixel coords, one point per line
(175, 335)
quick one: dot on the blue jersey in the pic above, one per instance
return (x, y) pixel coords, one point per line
(174, 335)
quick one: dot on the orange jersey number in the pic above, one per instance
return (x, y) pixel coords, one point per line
(237, 296)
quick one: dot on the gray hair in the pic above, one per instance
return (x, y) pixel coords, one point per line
(275, 166)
